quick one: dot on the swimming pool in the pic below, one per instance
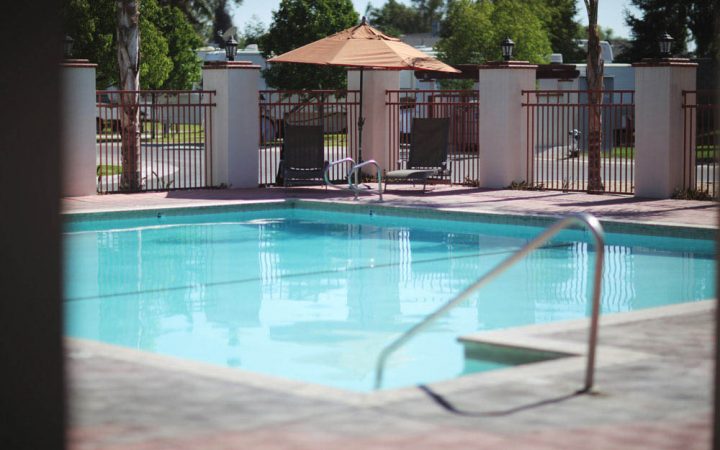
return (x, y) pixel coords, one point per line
(314, 295)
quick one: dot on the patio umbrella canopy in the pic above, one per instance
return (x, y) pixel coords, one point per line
(364, 47)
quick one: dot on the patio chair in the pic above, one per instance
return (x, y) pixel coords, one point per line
(428, 152)
(303, 155)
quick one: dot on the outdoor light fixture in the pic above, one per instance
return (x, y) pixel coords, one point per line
(507, 48)
(665, 45)
(231, 48)
(67, 46)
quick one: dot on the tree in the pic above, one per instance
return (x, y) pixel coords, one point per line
(167, 47)
(472, 31)
(595, 95)
(182, 41)
(563, 29)
(701, 15)
(394, 18)
(657, 17)
(128, 54)
(253, 32)
(206, 16)
(299, 22)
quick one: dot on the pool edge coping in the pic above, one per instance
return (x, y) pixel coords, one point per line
(611, 225)
(534, 337)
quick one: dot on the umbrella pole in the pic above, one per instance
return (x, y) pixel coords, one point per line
(361, 120)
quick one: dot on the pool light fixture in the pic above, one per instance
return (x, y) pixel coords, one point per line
(507, 48)
(665, 42)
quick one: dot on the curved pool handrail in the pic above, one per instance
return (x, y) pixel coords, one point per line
(335, 163)
(591, 223)
(354, 170)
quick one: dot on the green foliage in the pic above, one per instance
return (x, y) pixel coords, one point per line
(299, 22)
(205, 16)
(394, 18)
(691, 194)
(182, 41)
(525, 186)
(680, 19)
(153, 47)
(701, 14)
(167, 42)
(472, 31)
(253, 32)
(656, 17)
(563, 29)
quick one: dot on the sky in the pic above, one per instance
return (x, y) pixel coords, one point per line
(610, 12)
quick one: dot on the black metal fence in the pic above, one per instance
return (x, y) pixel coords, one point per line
(701, 141)
(336, 111)
(175, 141)
(557, 140)
(461, 106)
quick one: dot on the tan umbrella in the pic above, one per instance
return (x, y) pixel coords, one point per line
(364, 47)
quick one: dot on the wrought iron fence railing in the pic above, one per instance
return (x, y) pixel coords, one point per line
(461, 106)
(336, 110)
(701, 141)
(175, 143)
(557, 139)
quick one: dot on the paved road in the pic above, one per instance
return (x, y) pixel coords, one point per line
(177, 166)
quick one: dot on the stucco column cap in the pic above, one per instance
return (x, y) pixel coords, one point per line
(665, 62)
(77, 63)
(230, 65)
(507, 65)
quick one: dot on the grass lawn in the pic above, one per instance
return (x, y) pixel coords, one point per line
(184, 133)
(107, 169)
(704, 152)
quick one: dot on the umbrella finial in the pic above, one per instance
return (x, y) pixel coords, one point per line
(363, 21)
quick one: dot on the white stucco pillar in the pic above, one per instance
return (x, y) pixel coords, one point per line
(79, 164)
(659, 126)
(502, 133)
(376, 131)
(235, 126)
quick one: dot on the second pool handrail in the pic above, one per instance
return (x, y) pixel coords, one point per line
(591, 223)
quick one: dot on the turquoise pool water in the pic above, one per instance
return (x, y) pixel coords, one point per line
(314, 295)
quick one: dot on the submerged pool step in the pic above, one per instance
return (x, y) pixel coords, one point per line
(505, 355)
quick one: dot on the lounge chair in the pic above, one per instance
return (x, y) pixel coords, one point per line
(303, 155)
(428, 151)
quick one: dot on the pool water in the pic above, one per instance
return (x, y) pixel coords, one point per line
(314, 295)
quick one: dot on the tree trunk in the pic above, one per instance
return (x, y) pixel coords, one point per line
(595, 97)
(128, 54)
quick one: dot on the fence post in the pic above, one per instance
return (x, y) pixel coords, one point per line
(376, 131)
(235, 126)
(659, 125)
(77, 113)
(502, 129)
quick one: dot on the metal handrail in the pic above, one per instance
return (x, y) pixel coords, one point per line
(591, 223)
(354, 169)
(353, 186)
(335, 163)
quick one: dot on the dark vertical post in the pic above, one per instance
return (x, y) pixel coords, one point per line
(31, 352)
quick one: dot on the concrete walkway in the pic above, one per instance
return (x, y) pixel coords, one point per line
(654, 377)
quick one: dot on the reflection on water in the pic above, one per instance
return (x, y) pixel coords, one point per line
(317, 301)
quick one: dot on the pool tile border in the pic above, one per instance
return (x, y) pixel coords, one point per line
(610, 225)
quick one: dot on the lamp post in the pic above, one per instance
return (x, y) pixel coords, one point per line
(67, 46)
(665, 45)
(231, 48)
(507, 48)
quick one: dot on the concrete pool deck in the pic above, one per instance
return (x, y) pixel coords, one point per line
(654, 375)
